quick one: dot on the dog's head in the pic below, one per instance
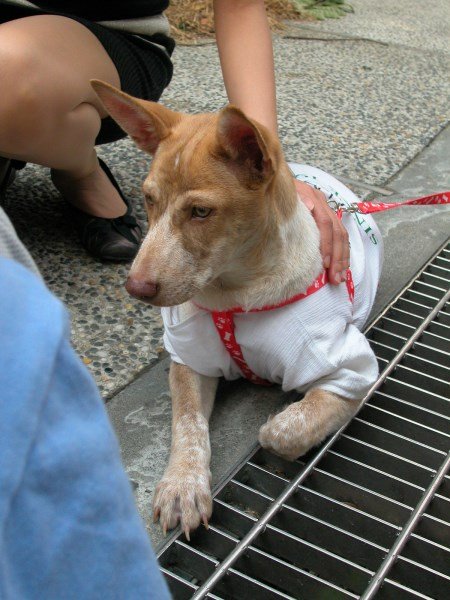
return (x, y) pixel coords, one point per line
(209, 197)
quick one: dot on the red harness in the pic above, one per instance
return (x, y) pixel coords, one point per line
(224, 321)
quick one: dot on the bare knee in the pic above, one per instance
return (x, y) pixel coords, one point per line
(45, 94)
(23, 99)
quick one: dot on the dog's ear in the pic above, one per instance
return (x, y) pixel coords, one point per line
(147, 123)
(243, 141)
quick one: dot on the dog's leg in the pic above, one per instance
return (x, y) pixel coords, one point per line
(304, 424)
(184, 493)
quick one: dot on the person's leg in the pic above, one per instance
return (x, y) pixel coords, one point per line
(49, 114)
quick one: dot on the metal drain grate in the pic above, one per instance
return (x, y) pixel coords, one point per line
(366, 514)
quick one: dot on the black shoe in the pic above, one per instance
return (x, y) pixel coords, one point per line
(8, 170)
(109, 239)
(7, 174)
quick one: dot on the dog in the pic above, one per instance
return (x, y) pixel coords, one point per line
(227, 231)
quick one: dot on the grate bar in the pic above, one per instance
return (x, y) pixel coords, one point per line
(393, 589)
(417, 407)
(436, 400)
(398, 435)
(413, 411)
(267, 472)
(253, 490)
(422, 296)
(438, 339)
(249, 588)
(396, 322)
(444, 271)
(288, 545)
(374, 502)
(416, 305)
(338, 511)
(444, 327)
(433, 277)
(424, 363)
(394, 552)
(357, 442)
(419, 564)
(381, 345)
(353, 463)
(416, 318)
(235, 509)
(260, 561)
(262, 523)
(437, 353)
(429, 285)
(183, 588)
(292, 511)
(426, 290)
(415, 372)
(388, 333)
(427, 553)
(417, 426)
(433, 529)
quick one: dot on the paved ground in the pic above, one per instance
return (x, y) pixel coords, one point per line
(368, 100)
(415, 24)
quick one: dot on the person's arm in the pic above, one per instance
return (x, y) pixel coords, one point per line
(244, 41)
(245, 48)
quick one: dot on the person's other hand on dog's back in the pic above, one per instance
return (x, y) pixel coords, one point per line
(245, 48)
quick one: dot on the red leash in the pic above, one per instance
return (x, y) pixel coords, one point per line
(372, 207)
(224, 321)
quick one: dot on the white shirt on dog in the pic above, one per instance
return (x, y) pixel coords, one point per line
(316, 340)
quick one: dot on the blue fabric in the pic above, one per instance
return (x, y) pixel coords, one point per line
(69, 525)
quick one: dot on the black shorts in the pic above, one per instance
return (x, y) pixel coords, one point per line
(144, 69)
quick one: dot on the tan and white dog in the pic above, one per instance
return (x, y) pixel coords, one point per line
(226, 229)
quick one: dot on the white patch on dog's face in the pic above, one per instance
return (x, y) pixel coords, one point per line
(160, 241)
(163, 260)
(150, 187)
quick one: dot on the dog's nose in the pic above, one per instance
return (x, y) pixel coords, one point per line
(140, 288)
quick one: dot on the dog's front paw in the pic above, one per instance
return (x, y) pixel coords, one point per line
(183, 497)
(288, 434)
(305, 424)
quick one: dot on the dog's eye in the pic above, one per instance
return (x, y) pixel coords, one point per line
(149, 200)
(200, 212)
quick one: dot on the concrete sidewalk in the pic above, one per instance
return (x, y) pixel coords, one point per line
(366, 97)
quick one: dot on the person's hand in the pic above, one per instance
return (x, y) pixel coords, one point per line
(334, 244)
